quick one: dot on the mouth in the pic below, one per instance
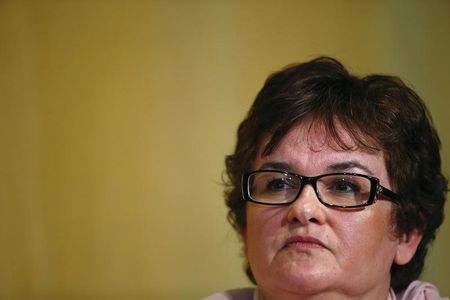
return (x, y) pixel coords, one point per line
(303, 243)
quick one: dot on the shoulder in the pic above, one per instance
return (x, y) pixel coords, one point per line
(419, 290)
(236, 294)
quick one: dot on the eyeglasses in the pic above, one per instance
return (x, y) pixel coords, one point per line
(341, 190)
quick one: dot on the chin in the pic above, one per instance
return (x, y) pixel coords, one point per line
(296, 281)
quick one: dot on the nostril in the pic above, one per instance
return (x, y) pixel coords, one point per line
(314, 220)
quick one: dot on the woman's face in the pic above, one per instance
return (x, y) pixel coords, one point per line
(309, 249)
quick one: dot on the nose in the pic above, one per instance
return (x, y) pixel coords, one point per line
(307, 208)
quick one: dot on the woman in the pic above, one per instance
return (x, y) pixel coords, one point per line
(335, 187)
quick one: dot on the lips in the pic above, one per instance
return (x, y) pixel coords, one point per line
(303, 243)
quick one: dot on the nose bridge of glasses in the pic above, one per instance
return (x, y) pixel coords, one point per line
(304, 181)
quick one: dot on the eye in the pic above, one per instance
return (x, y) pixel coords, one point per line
(273, 187)
(344, 189)
(344, 186)
(279, 184)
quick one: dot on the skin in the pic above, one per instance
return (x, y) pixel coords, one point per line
(341, 254)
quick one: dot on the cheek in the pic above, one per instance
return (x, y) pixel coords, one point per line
(262, 232)
(368, 237)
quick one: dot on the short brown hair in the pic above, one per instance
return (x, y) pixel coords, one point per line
(379, 112)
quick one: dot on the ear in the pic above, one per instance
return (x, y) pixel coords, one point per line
(407, 247)
(244, 240)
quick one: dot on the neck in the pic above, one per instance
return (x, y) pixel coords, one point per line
(329, 295)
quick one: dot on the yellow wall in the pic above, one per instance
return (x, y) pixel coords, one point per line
(115, 117)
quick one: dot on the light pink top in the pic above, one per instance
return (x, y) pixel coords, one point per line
(417, 290)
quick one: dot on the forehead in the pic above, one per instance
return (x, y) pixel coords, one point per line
(317, 136)
(311, 146)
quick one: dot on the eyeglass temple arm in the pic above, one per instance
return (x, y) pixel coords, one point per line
(388, 193)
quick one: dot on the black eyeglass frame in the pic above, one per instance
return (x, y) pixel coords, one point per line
(375, 188)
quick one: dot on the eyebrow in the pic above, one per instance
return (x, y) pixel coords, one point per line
(277, 165)
(336, 167)
(346, 165)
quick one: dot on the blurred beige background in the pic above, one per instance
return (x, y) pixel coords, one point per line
(115, 117)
